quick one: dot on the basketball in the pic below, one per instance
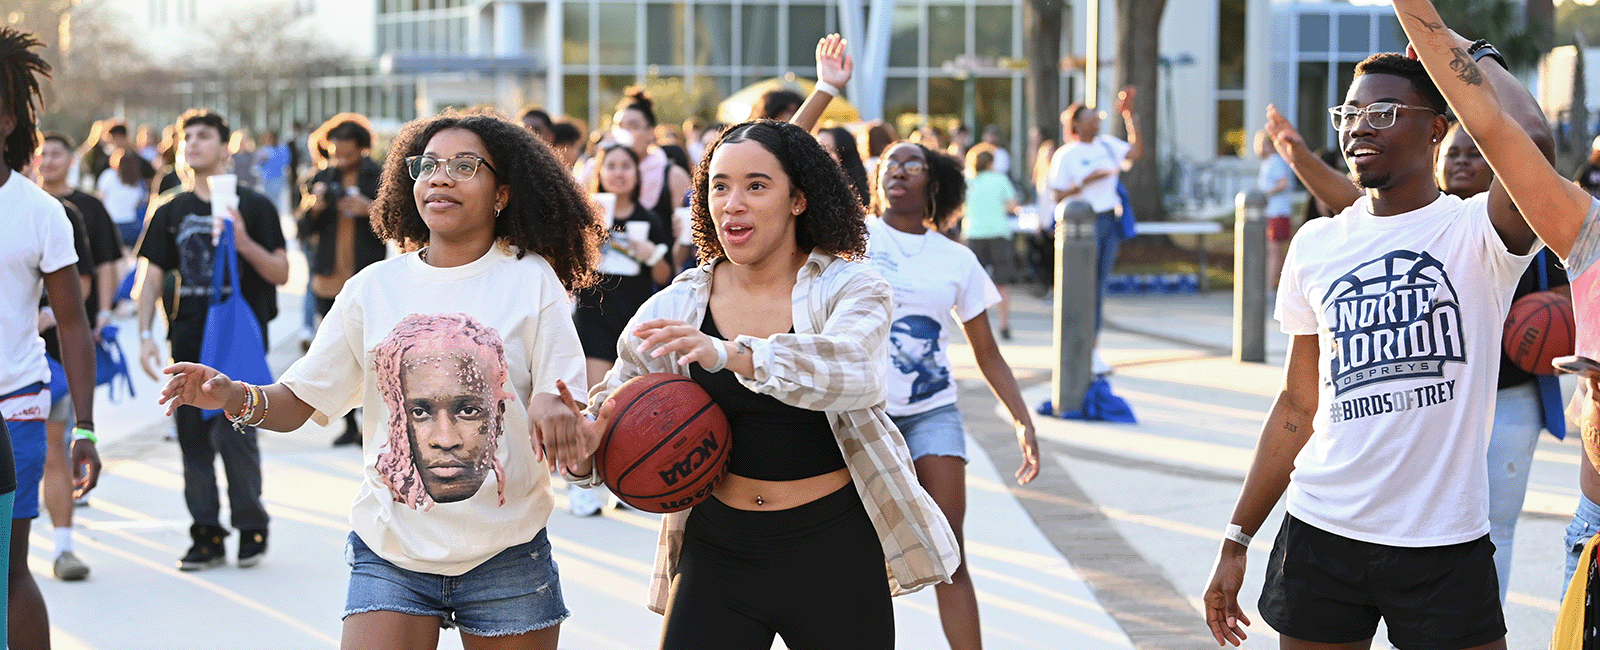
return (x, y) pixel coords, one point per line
(666, 446)
(1538, 329)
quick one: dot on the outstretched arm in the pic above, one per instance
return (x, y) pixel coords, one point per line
(1325, 183)
(834, 67)
(1506, 123)
(1131, 122)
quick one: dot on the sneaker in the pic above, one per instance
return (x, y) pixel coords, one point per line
(207, 552)
(582, 502)
(252, 547)
(69, 568)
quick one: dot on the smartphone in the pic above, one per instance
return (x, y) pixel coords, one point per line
(1577, 365)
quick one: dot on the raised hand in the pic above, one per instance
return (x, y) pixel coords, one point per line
(1125, 99)
(833, 63)
(1285, 138)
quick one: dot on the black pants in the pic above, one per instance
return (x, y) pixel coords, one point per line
(812, 574)
(201, 441)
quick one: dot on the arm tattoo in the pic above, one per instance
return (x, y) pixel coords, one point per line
(1291, 427)
(1466, 70)
(1432, 27)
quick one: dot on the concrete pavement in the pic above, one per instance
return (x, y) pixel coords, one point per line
(1110, 548)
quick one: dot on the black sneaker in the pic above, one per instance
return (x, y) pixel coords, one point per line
(207, 552)
(351, 436)
(252, 547)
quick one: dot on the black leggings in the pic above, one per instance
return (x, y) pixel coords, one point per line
(813, 574)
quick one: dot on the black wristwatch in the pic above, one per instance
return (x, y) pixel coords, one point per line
(1481, 48)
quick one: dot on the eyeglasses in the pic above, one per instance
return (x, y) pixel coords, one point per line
(910, 167)
(1380, 115)
(459, 168)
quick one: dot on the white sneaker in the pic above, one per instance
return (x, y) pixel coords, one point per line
(583, 502)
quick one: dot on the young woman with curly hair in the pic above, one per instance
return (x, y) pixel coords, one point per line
(785, 329)
(919, 192)
(457, 382)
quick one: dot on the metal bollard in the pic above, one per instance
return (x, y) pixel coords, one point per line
(1074, 335)
(1250, 277)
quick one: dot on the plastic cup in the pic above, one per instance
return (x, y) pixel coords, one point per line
(608, 208)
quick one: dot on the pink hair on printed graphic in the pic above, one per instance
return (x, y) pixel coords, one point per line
(437, 332)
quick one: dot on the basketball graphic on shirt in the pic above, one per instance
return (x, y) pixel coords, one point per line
(1395, 317)
(442, 379)
(914, 349)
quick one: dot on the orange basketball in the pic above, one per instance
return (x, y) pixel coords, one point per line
(667, 445)
(1539, 328)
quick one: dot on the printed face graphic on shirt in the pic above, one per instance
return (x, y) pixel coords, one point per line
(1395, 317)
(914, 344)
(442, 378)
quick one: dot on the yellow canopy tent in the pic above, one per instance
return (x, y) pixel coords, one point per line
(736, 108)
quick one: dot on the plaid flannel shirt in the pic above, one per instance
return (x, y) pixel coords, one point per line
(834, 362)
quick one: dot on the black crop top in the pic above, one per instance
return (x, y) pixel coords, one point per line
(772, 441)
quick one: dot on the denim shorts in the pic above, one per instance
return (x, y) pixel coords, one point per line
(514, 592)
(1585, 524)
(938, 432)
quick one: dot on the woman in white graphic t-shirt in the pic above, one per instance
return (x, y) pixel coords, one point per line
(919, 192)
(457, 384)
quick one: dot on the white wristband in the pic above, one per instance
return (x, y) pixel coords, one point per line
(829, 88)
(1235, 533)
(656, 256)
(722, 355)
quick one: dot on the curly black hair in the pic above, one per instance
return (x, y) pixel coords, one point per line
(20, 69)
(947, 184)
(1400, 65)
(844, 144)
(832, 221)
(548, 213)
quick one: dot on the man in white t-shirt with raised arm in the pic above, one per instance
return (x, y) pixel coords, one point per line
(1380, 434)
(1088, 166)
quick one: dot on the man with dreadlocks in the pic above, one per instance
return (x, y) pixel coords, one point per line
(36, 255)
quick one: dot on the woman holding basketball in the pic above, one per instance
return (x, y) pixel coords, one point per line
(786, 331)
(457, 384)
(934, 278)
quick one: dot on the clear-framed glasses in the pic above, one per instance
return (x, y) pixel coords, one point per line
(459, 168)
(910, 167)
(1380, 115)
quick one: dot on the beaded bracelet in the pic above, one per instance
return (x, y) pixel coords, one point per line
(266, 405)
(249, 406)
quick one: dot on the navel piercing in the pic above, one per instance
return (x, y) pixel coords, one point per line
(760, 501)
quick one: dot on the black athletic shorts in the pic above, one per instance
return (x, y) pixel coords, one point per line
(1328, 588)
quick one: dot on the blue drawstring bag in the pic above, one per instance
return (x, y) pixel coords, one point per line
(1129, 226)
(1099, 403)
(232, 343)
(125, 290)
(110, 363)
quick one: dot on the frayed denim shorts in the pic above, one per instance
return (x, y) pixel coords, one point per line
(936, 432)
(514, 592)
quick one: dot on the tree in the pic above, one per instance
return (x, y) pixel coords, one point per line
(1138, 60)
(1042, 37)
(1521, 39)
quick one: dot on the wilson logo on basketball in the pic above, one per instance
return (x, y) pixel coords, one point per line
(1395, 317)
(696, 456)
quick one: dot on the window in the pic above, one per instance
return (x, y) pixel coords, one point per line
(994, 106)
(713, 30)
(1354, 33)
(575, 34)
(619, 29)
(612, 88)
(1313, 102)
(1390, 36)
(575, 95)
(807, 25)
(760, 35)
(993, 29)
(1314, 32)
(1231, 18)
(899, 97)
(905, 41)
(664, 34)
(1232, 139)
(947, 33)
(946, 99)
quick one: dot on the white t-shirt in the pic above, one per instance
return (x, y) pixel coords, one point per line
(1075, 160)
(1408, 311)
(122, 201)
(403, 332)
(38, 241)
(933, 278)
(1274, 169)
